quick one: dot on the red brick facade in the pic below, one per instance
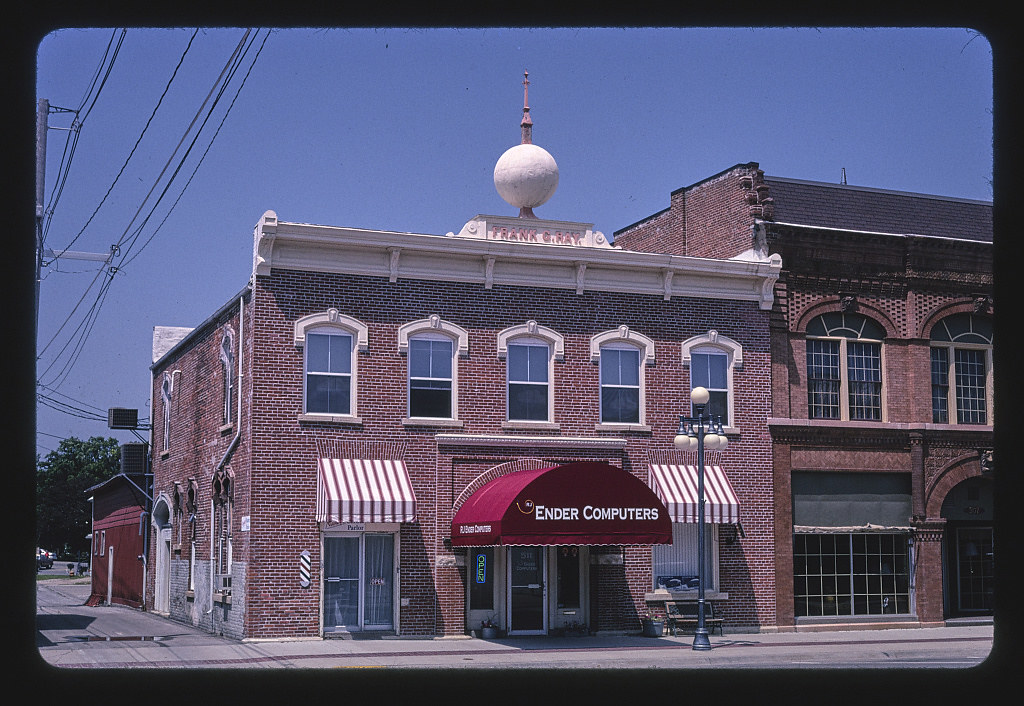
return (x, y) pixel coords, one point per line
(274, 463)
(905, 261)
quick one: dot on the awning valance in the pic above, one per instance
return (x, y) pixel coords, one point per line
(356, 490)
(676, 485)
(587, 503)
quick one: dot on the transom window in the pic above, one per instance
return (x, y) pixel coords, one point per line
(961, 365)
(430, 376)
(329, 372)
(529, 380)
(844, 367)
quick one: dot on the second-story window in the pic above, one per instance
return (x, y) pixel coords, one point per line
(710, 370)
(430, 376)
(528, 380)
(165, 398)
(961, 365)
(328, 372)
(620, 384)
(227, 359)
(844, 367)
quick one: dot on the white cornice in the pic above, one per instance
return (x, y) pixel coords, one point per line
(394, 255)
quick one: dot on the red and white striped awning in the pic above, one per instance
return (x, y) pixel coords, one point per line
(355, 490)
(676, 486)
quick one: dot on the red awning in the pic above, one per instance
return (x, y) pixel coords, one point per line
(676, 485)
(585, 503)
(355, 490)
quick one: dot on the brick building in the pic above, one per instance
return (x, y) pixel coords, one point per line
(882, 391)
(411, 434)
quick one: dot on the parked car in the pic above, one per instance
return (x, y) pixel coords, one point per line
(44, 559)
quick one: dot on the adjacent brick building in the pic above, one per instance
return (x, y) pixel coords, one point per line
(882, 390)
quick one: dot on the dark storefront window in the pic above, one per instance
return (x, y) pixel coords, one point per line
(851, 574)
(481, 583)
(568, 577)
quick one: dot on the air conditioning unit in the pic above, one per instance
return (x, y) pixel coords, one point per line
(134, 458)
(122, 418)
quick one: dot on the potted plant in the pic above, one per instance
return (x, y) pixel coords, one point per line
(653, 626)
(488, 629)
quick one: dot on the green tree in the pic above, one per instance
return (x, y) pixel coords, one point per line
(63, 513)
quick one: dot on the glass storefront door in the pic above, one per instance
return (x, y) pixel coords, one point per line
(527, 571)
(974, 568)
(359, 582)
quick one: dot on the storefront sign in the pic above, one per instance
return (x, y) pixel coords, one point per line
(577, 503)
(481, 568)
(542, 512)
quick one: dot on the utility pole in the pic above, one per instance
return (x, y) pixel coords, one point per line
(42, 112)
(42, 125)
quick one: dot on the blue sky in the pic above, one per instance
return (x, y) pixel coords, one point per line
(399, 129)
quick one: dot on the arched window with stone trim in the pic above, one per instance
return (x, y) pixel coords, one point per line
(432, 346)
(330, 342)
(530, 351)
(712, 359)
(623, 356)
(961, 369)
(844, 367)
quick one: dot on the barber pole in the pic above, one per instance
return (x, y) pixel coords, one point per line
(304, 569)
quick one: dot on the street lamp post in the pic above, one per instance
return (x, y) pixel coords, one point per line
(692, 435)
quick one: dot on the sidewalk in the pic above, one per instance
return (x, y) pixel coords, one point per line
(71, 635)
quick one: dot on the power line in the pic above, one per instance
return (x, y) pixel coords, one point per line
(139, 140)
(85, 327)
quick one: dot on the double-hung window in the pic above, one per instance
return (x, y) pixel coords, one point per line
(329, 372)
(430, 376)
(623, 356)
(530, 352)
(961, 366)
(713, 360)
(844, 367)
(710, 370)
(529, 383)
(331, 343)
(433, 347)
(620, 384)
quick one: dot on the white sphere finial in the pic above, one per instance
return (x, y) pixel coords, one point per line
(526, 176)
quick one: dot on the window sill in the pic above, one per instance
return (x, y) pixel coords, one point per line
(431, 422)
(226, 428)
(523, 424)
(190, 595)
(330, 418)
(683, 596)
(164, 454)
(615, 426)
(222, 598)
